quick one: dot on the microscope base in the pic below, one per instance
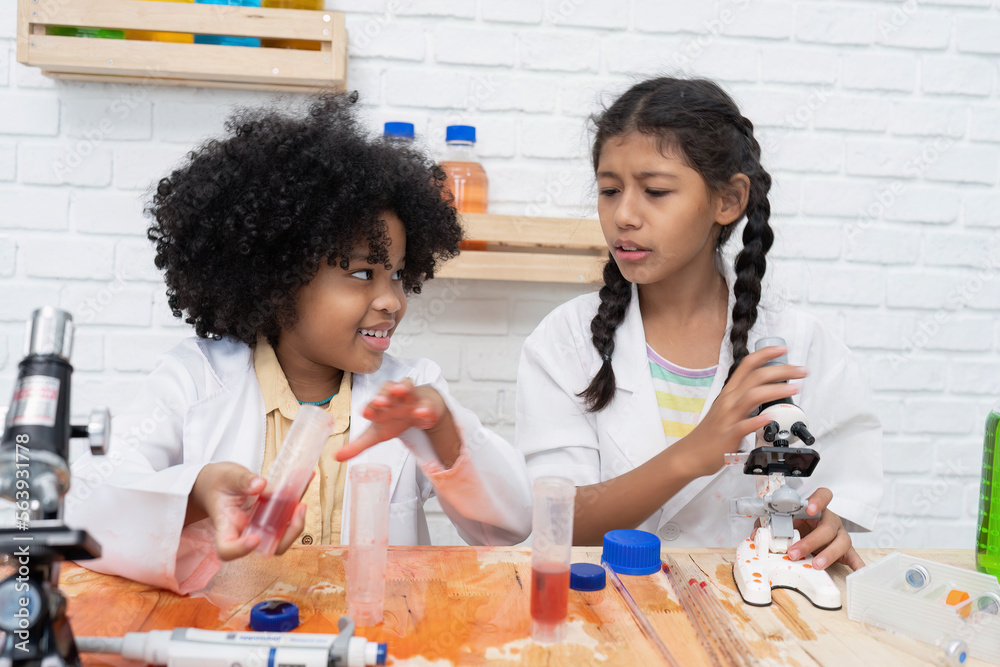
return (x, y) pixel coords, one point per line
(757, 570)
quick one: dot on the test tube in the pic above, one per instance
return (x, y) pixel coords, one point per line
(289, 476)
(369, 541)
(551, 550)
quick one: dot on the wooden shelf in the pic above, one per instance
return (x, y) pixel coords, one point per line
(164, 63)
(553, 250)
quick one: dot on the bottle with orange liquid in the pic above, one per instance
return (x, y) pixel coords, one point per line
(316, 5)
(156, 36)
(466, 177)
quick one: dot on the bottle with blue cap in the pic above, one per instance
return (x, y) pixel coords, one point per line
(398, 132)
(466, 176)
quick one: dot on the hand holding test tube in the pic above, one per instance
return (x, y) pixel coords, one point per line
(289, 476)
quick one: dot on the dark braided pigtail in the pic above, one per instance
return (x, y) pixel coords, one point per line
(751, 262)
(615, 297)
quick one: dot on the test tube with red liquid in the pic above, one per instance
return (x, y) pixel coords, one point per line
(551, 550)
(289, 476)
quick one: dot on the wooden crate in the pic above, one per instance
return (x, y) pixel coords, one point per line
(201, 65)
(555, 250)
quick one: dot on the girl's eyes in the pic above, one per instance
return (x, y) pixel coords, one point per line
(367, 274)
(611, 192)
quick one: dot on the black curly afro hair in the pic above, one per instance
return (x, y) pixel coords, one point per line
(246, 221)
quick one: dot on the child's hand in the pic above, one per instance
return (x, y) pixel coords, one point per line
(225, 492)
(825, 536)
(728, 420)
(397, 407)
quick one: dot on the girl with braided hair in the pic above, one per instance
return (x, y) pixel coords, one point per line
(638, 391)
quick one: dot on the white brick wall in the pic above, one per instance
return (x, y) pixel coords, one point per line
(880, 124)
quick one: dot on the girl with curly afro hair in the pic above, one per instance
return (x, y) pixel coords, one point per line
(290, 245)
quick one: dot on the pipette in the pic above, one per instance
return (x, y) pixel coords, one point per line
(189, 647)
(639, 617)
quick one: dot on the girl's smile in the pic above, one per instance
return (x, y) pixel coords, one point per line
(378, 336)
(346, 317)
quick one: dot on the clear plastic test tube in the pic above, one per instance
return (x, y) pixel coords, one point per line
(289, 476)
(369, 542)
(551, 551)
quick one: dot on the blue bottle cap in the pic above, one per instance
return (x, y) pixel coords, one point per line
(587, 577)
(274, 616)
(460, 133)
(632, 551)
(382, 654)
(404, 130)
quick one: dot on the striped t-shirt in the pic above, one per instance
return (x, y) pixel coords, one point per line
(680, 393)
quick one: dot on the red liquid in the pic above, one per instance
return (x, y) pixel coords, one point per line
(272, 515)
(549, 592)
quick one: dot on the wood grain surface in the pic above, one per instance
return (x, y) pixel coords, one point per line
(470, 606)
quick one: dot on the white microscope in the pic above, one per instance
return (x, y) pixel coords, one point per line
(762, 561)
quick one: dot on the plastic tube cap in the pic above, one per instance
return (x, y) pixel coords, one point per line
(587, 577)
(396, 129)
(460, 133)
(630, 551)
(274, 616)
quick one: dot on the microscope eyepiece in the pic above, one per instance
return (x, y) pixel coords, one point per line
(50, 331)
(799, 429)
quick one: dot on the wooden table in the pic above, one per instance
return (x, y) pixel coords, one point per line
(464, 605)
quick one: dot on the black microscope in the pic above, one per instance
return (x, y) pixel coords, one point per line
(34, 475)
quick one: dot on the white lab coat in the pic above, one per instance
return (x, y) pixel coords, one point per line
(559, 437)
(203, 403)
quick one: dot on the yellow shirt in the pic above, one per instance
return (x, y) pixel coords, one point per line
(325, 495)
